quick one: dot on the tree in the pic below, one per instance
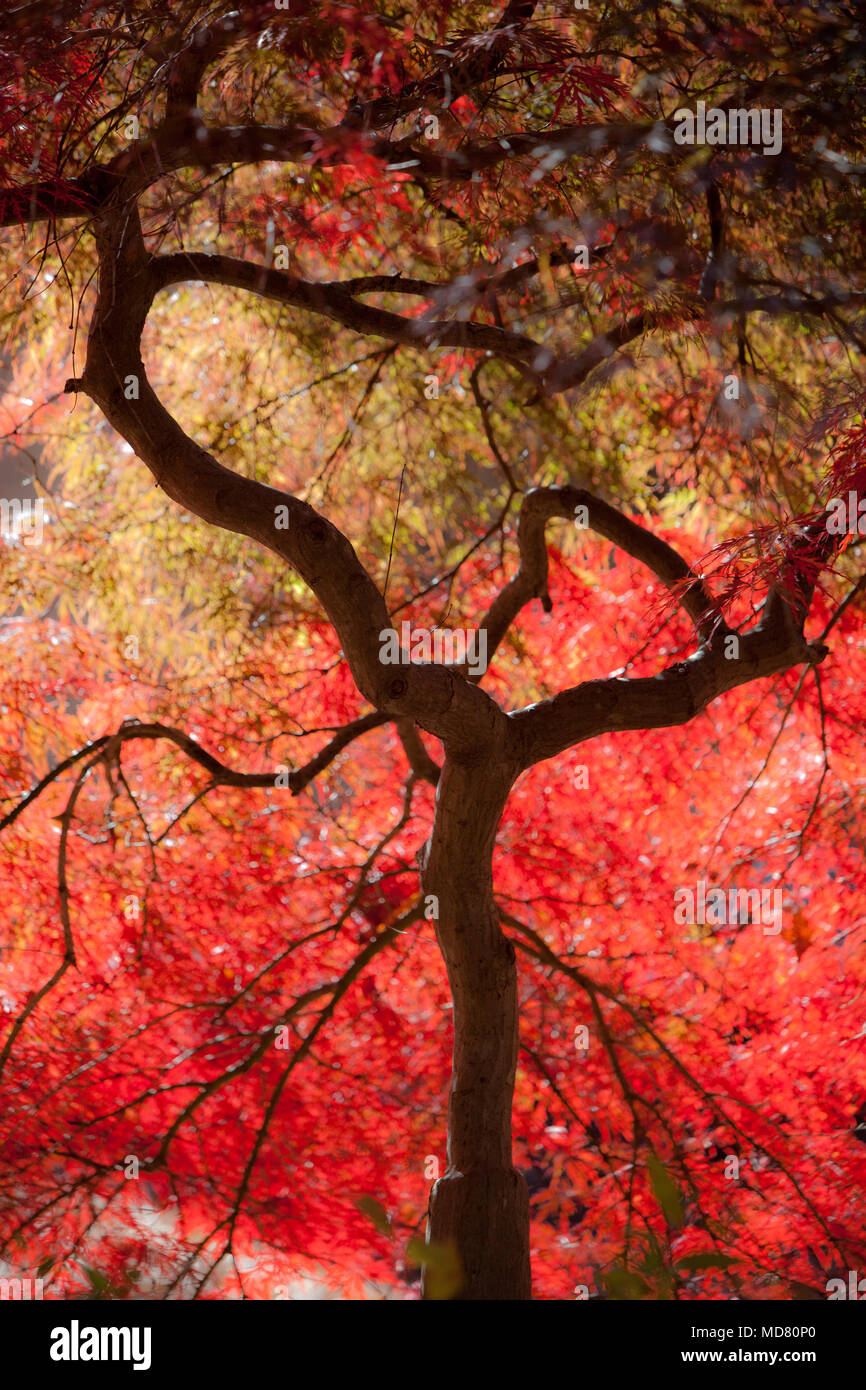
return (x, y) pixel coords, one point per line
(527, 190)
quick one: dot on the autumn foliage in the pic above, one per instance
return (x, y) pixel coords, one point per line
(226, 1036)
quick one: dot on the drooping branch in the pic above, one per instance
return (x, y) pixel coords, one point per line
(67, 960)
(339, 302)
(497, 281)
(55, 198)
(388, 936)
(221, 775)
(182, 140)
(440, 700)
(573, 370)
(535, 945)
(335, 301)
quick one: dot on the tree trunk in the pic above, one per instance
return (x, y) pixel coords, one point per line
(482, 1202)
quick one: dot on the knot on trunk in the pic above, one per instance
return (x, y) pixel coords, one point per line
(485, 1211)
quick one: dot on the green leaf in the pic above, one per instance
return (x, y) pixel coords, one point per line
(625, 1284)
(654, 1259)
(98, 1282)
(805, 1293)
(666, 1191)
(377, 1214)
(706, 1259)
(44, 1267)
(443, 1272)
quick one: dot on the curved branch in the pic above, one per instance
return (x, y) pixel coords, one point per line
(222, 776)
(64, 766)
(337, 301)
(68, 958)
(673, 697)
(438, 698)
(538, 507)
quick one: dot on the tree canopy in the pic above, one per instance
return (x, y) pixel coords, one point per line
(324, 321)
